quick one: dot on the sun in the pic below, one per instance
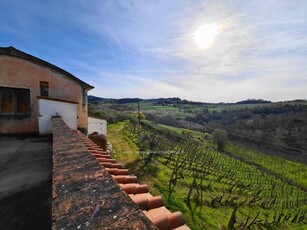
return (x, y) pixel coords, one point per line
(205, 35)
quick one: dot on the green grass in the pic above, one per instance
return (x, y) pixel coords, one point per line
(159, 108)
(222, 107)
(125, 149)
(157, 176)
(145, 106)
(294, 171)
(195, 134)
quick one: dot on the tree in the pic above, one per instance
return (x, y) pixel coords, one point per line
(139, 115)
(220, 138)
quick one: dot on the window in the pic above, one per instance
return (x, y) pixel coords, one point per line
(7, 101)
(44, 86)
(84, 98)
(14, 101)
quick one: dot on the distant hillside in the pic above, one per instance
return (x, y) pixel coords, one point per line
(91, 98)
(279, 127)
(253, 101)
(177, 101)
(157, 101)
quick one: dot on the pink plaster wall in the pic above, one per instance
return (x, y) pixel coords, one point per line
(19, 73)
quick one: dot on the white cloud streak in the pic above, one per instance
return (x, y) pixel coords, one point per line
(132, 48)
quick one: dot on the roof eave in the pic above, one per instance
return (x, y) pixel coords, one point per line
(11, 51)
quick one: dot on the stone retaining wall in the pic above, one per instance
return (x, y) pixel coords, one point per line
(84, 195)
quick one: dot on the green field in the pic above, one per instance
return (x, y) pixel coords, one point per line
(194, 134)
(216, 183)
(291, 170)
(222, 107)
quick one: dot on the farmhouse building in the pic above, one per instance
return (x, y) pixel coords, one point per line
(33, 90)
(89, 189)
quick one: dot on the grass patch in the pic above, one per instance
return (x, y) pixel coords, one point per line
(194, 133)
(125, 149)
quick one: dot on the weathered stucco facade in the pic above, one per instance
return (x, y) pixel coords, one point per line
(23, 75)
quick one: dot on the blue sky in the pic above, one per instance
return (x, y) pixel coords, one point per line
(147, 48)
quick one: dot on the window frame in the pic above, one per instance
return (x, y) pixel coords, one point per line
(15, 92)
(44, 88)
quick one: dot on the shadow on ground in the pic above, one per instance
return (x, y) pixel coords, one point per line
(25, 183)
(27, 209)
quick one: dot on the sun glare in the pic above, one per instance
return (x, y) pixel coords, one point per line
(205, 35)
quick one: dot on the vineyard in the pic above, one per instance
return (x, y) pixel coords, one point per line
(237, 189)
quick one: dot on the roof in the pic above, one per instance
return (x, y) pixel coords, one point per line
(84, 195)
(11, 51)
(91, 190)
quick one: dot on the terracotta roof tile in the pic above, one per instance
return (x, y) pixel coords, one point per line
(157, 212)
(146, 195)
(86, 194)
(152, 206)
(147, 203)
(182, 227)
(115, 171)
(125, 179)
(134, 188)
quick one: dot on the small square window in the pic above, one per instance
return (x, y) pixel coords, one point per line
(44, 86)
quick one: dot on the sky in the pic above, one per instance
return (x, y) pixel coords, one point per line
(149, 49)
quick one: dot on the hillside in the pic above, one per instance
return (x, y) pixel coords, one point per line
(276, 128)
(213, 190)
(241, 183)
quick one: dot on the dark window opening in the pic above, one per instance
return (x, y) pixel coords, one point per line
(84, 98)
(44, 86)
(14, 101)
(7, 101)
(23, 101)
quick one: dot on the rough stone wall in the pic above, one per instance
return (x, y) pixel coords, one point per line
(85, 196)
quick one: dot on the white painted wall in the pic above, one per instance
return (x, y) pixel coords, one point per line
(49, 108)
(97, 125)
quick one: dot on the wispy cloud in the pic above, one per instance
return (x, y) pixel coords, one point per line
(131, 48)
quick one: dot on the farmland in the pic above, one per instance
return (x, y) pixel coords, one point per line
(208, 187)
(237, 187)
